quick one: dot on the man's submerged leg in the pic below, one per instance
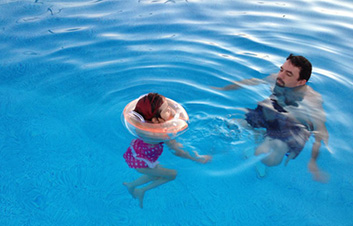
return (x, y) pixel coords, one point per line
(273, 151)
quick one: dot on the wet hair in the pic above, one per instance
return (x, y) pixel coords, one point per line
(148, 106)
(303, 64)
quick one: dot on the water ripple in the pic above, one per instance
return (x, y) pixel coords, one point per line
(69, 68)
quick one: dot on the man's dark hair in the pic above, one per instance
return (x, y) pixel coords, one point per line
(302, 63)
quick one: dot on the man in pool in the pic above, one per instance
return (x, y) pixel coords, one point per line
(289, 115)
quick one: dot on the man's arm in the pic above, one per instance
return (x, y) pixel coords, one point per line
(240, 84)
(314, 169)
(246, 82)
(321, 134)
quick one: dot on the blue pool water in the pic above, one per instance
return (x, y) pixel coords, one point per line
(68, 68)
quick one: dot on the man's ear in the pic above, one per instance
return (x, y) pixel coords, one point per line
(302, 82)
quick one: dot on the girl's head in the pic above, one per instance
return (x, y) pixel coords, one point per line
(153, 107)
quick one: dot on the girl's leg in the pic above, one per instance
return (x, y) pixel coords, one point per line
(161, 176)
(144, 179)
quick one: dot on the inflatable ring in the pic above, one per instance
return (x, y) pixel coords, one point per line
(156, 132)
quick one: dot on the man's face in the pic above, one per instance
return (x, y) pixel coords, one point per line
(288, 76)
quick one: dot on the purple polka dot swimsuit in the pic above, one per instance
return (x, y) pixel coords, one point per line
(143, 155)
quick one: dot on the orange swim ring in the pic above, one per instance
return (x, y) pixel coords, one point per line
(156, 132)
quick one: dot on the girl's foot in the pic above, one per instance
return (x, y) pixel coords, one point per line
(139, 194)
(130, 189)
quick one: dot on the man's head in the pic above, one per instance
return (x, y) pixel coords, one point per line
(294, 72)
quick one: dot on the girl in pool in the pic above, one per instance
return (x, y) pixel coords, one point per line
(142, 155)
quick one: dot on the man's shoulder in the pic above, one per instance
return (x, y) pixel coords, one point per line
(313, 97)
(311, 92)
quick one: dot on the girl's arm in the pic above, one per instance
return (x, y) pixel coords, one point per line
(178, 151)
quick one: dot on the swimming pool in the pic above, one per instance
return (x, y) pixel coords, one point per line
(68, 68)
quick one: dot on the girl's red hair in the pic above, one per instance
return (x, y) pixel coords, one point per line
(148, 106)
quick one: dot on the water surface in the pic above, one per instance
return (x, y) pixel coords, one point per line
(68, 68)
